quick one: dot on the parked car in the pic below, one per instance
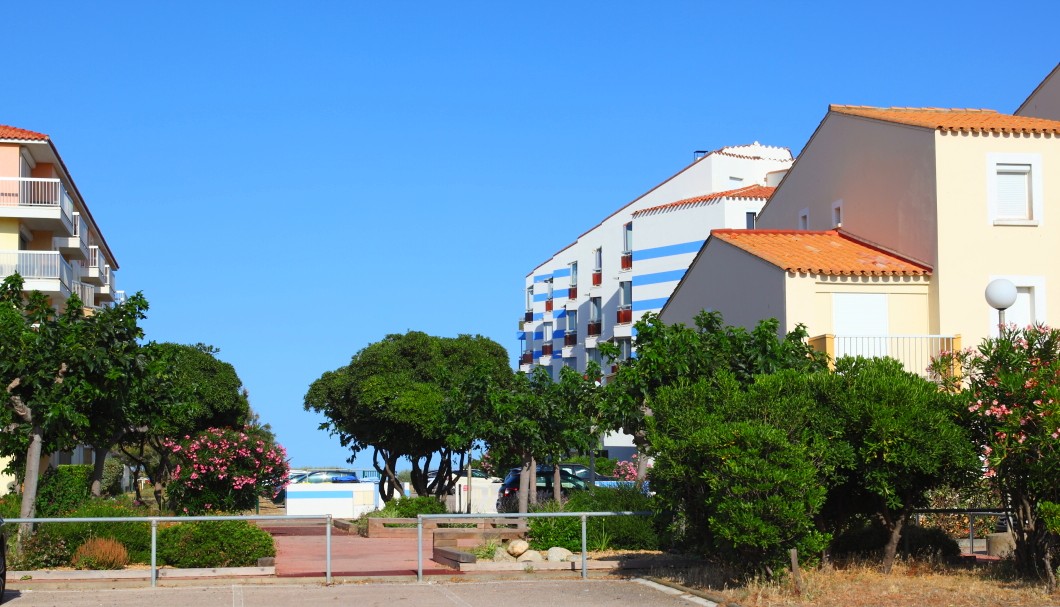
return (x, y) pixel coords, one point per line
(316, 476)
(462, 473)
(583, 472)
(509, 491)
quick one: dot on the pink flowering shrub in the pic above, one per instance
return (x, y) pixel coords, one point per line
(1012, 388)
(224, 470)
(627, 470)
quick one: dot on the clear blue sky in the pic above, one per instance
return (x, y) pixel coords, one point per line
(292, 181)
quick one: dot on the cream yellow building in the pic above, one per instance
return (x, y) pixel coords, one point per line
(47, 233)
(964, 196)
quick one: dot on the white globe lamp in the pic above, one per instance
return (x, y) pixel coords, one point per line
(1000, 294)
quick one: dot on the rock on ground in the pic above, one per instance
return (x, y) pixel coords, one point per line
(517, 547)
(559, 555)
(531, 556)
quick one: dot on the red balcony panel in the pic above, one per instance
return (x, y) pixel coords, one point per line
(624, 316)
(594, 327)
(529, 316)
(526, 358)
(627, 261)
(546, 350)
(569, 339)
(598, 278)
(572, 293)
(548, 305)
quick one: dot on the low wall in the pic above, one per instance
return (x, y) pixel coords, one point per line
(340, 500)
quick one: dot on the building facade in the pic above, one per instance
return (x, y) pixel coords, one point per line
(595, 289)
(47, 234)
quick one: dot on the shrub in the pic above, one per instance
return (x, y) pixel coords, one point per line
(63, 489)
(113, 470)
(136, 537)
(620, 532)
(409, 507)
(41, 551)
(100, 553)
(213, 544)
(544, 533)
(915, 541)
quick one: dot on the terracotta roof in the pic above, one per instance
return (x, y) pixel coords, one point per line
(830, 253)
(954, 120)
(751, 191)
(11, 132)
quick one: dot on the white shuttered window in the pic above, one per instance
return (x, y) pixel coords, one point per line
(1014, 191)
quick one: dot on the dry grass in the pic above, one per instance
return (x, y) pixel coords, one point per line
(862, 585)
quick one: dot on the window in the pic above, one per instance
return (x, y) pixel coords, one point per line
(750, 218)
(1014, 191)
(572, 321)
(625, 349)
(627, 238)
(837, 214)
(1029, 307)
(598, 259)
(529, 298)
(546, 331)
(594, 309)
(804, 219)
(1014, 194)
(574, 274)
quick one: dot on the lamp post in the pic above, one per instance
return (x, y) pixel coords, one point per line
(1000, 294)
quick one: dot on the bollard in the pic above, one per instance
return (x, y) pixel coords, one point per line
(154, 552)
(585, 554)
(419, 547)
(327, 558)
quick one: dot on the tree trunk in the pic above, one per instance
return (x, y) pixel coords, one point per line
(389, 483)
(29, 488)
(99, 454)
(158, 487)
(524, 484)
(533, 481)
(890, 550)
(557, 488)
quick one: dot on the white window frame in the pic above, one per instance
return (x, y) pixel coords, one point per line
(750, 220)
(573, 273)
(994, 163)
(625, 294)
(598, 259)
(627, 238)
(572, 321)
(530, 298)
(596, 309)
(837, 214)
(1037, 286)
(804, 219)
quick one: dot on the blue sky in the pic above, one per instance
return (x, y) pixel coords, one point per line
(293, 181)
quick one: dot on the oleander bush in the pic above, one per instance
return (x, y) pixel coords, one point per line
(100, 553)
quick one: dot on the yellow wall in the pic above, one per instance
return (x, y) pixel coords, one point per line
(8, 234)
(810, 301)
(972, 250)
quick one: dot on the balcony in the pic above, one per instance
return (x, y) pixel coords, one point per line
(92, 269)
(75, 246)
(86, 292)
(594, 328)
(546, 349)
(41, 204)
(598, 277)
(627, 260)
(624, 316)
(913, 351)
(528, 317)
(105, 292)
(526, 358)
(570, 338)
(44, 271)
(572, 292)
(548, 305)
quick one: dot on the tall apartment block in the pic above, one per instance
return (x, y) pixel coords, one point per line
(47, 234)
(595, 289)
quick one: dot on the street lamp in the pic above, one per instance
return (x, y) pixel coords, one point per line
(1000, 294)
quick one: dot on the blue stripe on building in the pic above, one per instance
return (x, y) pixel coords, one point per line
(537, 353)
(294, 495)
(540, 296)
(561, 273)
(657, 277)
(561, 313)
(668, 250)
(542, 278)
(561, 293)
(539, 335)
(649, 304)
(520, 335)
(539, 316)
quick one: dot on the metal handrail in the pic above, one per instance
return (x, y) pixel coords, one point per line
(154, 520)
(514, 515)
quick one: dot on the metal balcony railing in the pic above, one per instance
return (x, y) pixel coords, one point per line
(37, 192)
(36, 265)
(913, 351)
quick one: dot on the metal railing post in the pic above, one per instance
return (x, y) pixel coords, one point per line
(971, 533)
(585, 553)
(154, 552)
(327, 557)
(419, 547)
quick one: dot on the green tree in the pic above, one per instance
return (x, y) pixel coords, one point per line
(185, 390)
(1012, 398)
(407, 397)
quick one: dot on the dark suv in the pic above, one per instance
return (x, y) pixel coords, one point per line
(507, 496)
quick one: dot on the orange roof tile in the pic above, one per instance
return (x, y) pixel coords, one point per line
(11, 132)
(751, 191)
(954, 120)
(830, 253)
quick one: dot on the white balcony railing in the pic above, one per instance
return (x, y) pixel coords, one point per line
(37, 265)
(913, 351)
(37, 192)
(86, 292)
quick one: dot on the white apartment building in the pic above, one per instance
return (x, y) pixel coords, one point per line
(595, 289)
